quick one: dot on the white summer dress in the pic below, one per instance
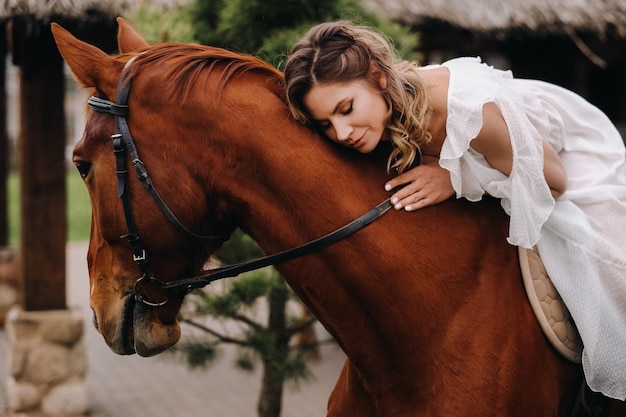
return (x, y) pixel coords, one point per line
(582, 235)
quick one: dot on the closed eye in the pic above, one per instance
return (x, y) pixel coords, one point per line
(325, 125)
(345, 110)
(83, 168)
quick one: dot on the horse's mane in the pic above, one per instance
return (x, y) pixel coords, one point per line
(184, 63)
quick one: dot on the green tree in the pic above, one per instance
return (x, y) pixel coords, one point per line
(268, 28)
(158, 25)
(251, 312)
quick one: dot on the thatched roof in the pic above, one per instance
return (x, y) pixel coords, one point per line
(74, 9)
(598, 17)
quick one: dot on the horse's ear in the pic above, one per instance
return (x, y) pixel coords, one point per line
(128, 39)
(91, 66)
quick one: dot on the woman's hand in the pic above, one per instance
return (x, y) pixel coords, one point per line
(426, 184)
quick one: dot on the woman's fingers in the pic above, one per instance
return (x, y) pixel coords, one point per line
(425, 185)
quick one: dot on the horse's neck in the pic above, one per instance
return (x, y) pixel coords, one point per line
(385, 282)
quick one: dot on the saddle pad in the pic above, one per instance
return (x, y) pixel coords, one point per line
(553, 316)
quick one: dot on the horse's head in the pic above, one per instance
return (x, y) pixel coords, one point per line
(129, 326)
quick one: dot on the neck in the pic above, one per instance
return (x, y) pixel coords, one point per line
(436, 81)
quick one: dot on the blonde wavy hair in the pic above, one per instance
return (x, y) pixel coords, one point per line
(341, 51)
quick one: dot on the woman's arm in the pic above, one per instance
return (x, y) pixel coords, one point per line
(494, 143)
(553, 170)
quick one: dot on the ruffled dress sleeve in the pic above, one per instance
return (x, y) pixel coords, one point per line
(524, 194)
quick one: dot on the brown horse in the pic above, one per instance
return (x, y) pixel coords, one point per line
(429, 306)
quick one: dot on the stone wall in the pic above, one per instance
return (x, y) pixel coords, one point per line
(9, 280)
(47, 364)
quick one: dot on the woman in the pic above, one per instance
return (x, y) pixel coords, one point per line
(556, 162)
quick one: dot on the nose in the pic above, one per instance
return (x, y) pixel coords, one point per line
(343, 131)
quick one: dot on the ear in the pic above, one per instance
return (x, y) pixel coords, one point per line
(128, 39)
(378, 76)
(91, 66)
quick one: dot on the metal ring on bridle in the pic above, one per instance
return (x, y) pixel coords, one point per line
(139, 297)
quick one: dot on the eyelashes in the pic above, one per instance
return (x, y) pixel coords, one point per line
(344, 112)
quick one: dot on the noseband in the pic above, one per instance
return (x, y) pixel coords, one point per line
(122, 144)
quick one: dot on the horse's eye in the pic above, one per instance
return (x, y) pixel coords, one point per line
(83, 168)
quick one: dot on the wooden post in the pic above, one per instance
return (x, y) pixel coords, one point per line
(4, 142)
(42, 166)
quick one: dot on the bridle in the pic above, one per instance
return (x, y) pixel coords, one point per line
(122, 144)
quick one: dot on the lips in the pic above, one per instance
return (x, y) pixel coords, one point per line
(357, 143)
(138, 329)
(122, 340)
(151, 335)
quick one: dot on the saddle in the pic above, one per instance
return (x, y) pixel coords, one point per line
(551, 312)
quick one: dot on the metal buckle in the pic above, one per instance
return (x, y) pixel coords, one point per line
(140, 258)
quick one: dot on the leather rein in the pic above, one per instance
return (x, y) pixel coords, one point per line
(123, 144)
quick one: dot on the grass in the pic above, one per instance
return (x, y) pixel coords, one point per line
(78, 208)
